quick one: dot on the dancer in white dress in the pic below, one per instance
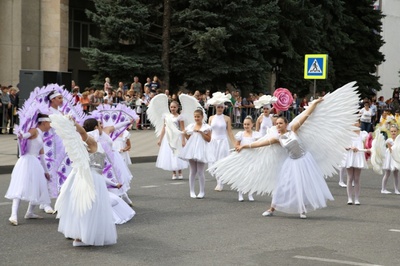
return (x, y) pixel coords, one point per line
(355, 161)
(167, 158)
(246, 137)
(123, 144)
(389, 166)
(264, 121)
(197, 151)
(28, 178)
(83, 205)
(294, 171)
(301, 186)
(221, 126)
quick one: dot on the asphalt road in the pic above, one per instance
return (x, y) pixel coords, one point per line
(170, 228)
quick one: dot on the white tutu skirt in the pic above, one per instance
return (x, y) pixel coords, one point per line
(388, 163)
(126, 175)
(301, 186)
(356, 160)
(166, 159)
(127, 158)
(122, 213)
(220, 148)
(96, 226)
(28, 181)
(197, 149)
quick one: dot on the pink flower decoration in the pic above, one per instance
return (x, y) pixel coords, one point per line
(284, 99)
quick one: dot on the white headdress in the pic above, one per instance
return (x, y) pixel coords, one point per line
(264, 100)
(218, 98)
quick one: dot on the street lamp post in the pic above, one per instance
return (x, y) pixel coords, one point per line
(276, 68)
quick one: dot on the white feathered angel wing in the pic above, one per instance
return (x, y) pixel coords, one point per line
(252, 170)
(329, 129)
(378, 151)
(396, 152)
(156, 111)
(189, 105)
(82, 191)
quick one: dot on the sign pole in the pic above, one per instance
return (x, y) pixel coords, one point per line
(315, 88)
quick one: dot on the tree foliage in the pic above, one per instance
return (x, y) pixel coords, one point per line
(213, 42)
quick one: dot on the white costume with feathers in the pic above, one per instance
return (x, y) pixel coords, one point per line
(259, 170)
(159, 115)
(83, 205)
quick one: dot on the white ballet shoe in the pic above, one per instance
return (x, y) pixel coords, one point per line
(350, 202)
(267, 213)
(397, 192)
(48, 210)
(180, 176)
(174, 177)
(357, 202)
(386, 191)
(79, 244)
(251, 198)
(192, 195)
(342, 184)
(13, 221)
(303, 216)
(200, 196)
(32, 216)
(240, 198)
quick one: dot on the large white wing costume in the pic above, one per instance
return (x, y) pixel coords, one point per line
(325, 134)
(82, 191)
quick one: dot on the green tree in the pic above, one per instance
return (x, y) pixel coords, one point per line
(126, 45)
(357, 61)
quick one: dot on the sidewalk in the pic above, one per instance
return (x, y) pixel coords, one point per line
(144, 149)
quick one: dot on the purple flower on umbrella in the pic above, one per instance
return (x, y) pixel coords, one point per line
(109, 174)
(68, 161)
(63, 170)
(106, 117)
(114, 117)
(48, 165)
(49, 143)
(49, 154)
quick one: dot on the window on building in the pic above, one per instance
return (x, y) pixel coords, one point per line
(80, 27)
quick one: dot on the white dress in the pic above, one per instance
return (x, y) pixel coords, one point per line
(219, 137)
(96, 226)
(388, 163)
(122, 212)
(301, 186)
(357, 159)
(122, 174)
(265, 125)
(247, 140)
(28, 181)
(196, 147)
(166, 158)
(120, 143)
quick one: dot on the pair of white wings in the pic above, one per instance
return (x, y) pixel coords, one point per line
(82, 191)
(325, 134)
(159, 115)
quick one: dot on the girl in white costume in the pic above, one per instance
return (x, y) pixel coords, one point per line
(246, 137)
(221, 126)
(84, 208)
(301, 185)
(294, 171)
(355, 161)
(123, 144)
(197, 151)
(167, 159)
(264, 121)
(28, 178)
(119, 164)
(389, 166)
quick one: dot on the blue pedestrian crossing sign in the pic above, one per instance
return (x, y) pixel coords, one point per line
(316, 66)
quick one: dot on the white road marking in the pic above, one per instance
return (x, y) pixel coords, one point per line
(395, 230)
(176, 183)
(5, 203)
(342, 262)
(152, 186)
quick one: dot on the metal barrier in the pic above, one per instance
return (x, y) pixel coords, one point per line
(8, 117)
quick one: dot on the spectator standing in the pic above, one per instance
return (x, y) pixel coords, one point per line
(14, 98)
(155, 84)
(136, 86)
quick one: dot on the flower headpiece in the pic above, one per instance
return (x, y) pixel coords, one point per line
(284, 99)
(264, 100)
(218, 98)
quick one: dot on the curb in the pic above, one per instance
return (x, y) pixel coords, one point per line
(7, 169)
